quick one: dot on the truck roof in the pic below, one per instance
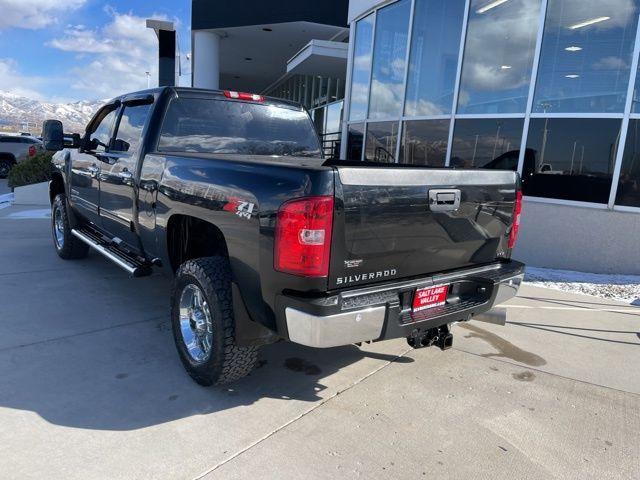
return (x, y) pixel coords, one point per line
(202, 92)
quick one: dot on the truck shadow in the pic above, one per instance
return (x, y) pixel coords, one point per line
(130, 377)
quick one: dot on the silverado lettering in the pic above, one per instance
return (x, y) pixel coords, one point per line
(366, 276)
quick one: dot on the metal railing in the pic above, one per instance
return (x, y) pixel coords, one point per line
(330, 143)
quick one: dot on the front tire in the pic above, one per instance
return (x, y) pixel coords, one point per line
(203, 323)
(67, 246)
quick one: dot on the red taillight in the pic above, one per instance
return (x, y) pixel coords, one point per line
(32, 151)
(251, 97)
(517, 213)
(303, 237)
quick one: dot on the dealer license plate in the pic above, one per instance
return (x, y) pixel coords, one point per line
(430, 297)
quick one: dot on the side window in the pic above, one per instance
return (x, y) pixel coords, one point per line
(99, 139)
(129, 134)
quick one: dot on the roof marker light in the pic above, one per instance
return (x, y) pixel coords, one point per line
(252, 97)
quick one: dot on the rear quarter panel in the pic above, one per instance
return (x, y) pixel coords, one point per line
(241, 197)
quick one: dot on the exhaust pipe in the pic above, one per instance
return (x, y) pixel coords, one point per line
(497, 316)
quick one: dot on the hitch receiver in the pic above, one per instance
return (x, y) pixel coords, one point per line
(440, 336)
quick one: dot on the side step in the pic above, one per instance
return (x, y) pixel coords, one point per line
(107, 248)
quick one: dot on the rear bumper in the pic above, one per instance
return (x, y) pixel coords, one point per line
(384, 312)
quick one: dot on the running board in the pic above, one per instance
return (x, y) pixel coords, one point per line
(108, 249)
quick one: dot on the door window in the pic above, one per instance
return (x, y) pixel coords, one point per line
(129, 134)
(99, 139)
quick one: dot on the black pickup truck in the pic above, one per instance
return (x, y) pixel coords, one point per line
(265, 239)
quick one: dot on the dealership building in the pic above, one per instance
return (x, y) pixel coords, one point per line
(545, 87)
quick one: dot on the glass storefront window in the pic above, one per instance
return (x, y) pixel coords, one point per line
(382, 139)
(389, 58)
(629, 185)
(424, 142)
(355, 140)
(433, 61)
(498, 57)
(318, 119)
(363, 45)
(572, 159)
(334, 118)
(487, 143)
(586, 56)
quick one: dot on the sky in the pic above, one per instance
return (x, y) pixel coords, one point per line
(69, 50)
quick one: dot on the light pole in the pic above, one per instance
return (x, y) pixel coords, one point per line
(148, 74)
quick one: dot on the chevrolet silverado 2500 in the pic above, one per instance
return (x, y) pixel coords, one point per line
(265, 239)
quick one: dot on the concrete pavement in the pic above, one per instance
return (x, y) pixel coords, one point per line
(91, 387)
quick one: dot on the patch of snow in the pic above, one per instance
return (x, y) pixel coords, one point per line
(625, 288)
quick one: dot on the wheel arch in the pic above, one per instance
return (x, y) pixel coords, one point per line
(8, 156)
(189, 237)
(56, 186)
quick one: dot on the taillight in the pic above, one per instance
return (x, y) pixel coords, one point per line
(303, 236)
(251, 97)
(517, 213)
(32, 151)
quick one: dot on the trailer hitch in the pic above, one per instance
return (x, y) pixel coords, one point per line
(440, 336)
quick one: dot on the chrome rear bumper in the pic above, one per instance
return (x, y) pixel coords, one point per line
(372, 322)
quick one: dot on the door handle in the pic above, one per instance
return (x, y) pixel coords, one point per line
(444, 200)
(126, 175)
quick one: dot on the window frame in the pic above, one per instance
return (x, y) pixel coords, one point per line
(116, 128)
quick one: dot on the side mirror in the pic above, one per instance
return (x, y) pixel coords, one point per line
(53, 135)
(120, 145)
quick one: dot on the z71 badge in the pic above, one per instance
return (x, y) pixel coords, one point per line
(240, 208)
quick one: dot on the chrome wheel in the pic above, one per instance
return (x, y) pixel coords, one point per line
(58, 228)
(195, 323)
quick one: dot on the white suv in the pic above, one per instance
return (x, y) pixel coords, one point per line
(15, 149)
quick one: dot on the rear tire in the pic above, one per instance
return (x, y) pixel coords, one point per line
(203, 323)
(67, 246)
(5, 168)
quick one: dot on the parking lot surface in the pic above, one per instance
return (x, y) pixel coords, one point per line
(91, 387)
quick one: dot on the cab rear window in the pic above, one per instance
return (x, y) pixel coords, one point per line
(235, 127)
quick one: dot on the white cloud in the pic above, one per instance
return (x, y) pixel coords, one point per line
(16, 83)
(117, 55)
(34, 14)
(500, 48)
(620, 12)
(611, 63)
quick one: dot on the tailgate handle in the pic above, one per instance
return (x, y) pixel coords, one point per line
(444, 200)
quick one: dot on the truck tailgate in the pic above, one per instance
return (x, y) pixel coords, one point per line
(392, 223)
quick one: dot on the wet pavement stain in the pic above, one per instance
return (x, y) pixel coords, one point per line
(121, 376)
(173, 398)
(302, 366)
(505, 348)
(525, 376)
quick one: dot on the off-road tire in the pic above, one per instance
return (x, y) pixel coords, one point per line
(227, 362)
(72, 247)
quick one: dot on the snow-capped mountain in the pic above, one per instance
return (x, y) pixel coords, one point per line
(17, 112)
